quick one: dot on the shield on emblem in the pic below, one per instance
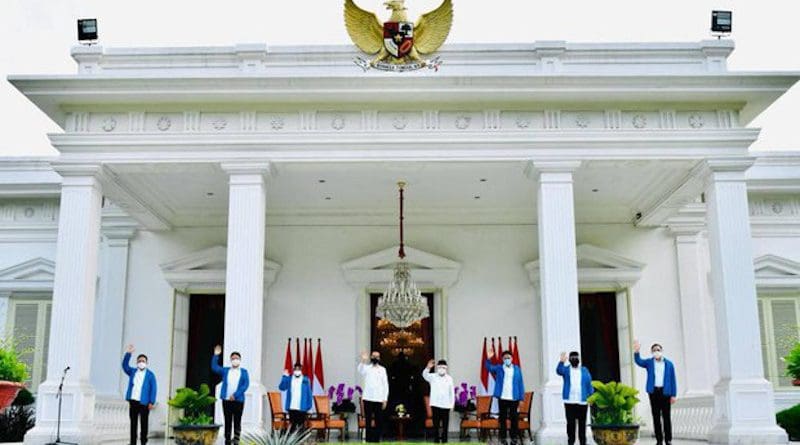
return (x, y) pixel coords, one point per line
(398, 37)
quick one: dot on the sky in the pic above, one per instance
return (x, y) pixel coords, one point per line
(36, 37)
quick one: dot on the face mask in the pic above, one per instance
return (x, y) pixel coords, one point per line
(298, 373)
(441, 371)
(657, 354)
(235, 362)
(507, 361)
(574, 361)
(374, 360)
(141, 365)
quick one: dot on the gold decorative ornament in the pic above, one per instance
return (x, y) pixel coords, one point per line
(398, 44)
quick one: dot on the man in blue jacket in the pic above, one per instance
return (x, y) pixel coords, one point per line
(509, 391)
(235, 382)
(662, 388)
(577, 387)
(298, 396)
(141, 393)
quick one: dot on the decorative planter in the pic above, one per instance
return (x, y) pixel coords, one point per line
(796, 382)
(615, 434)
(195, 434)
(8, 392)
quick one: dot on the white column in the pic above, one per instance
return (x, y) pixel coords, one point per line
(744, 409)
(118, 230)
(5, 306)
(244, 285)
(73, 310)
(694, 310)
(558, 289)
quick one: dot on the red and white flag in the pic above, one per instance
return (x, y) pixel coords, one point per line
(297, 357)
(287, 361)
(319, 374)
(515, 351)
(484, 370)
(496, 360)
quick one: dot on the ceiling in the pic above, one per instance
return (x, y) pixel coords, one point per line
(366, 192)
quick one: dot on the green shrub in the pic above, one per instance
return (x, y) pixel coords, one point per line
(789, 419)
(612, 403)
(11, 368)
(194, 404)
(278, 437)
(793, 362)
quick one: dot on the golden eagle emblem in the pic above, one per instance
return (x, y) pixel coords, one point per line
(398, 44)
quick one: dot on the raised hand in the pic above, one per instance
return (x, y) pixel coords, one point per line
(431, 363)
(130, 349)
(364, 356)
(491, 355)
(636, 346)
(563, 357)
(217, 350)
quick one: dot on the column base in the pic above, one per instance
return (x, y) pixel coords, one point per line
(77, 415)
(553, 430)
(744, 413)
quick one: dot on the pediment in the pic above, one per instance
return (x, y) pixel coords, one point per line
(773, 271)
(33, 275)
(204, 271)
(598, 268)
(427, 269)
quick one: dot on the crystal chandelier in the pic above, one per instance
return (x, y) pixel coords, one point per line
(402, 304)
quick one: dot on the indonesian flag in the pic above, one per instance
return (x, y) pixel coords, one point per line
(515, 351)
(484, 370)
(310, 373)
(298, 358)
(496, 360)
(306, 364)
(287, 362)
(500, 349)
(319, 375)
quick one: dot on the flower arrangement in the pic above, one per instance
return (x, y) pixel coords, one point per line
(400, 409)
(465, 397)
(342, 397)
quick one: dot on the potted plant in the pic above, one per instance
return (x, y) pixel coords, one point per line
(12, 373)
(792, 361)
(196, 427)
(789, 420)
(465, 398)
(341, 396)
(613, 422)
(17, 418)
(278, 437)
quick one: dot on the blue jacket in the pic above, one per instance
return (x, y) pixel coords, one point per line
(305, 396)
(149, 387)
(670, 383)
(587, 389)
(244, 380)
(499, 374)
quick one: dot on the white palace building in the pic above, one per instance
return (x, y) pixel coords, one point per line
(577, 196)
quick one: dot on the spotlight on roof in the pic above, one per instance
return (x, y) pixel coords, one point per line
(721, 22)
(87, 31)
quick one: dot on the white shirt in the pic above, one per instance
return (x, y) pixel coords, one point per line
(576, 385)
(297, 393)
(234, 374)
(658, 367)
(138, 381)
(508, 383)
(376, 383)
(443, 394)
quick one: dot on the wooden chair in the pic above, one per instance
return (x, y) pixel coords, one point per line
(473, 422)
(323, 405)
(362, 421)
(525, 415)
(428, 416)
(280, 421)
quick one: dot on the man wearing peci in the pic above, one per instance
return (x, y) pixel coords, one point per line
(235, 382)
(662, 388)
(442, 398)
(577, 388)
(509, 391)
(141, 393)
(375, 395)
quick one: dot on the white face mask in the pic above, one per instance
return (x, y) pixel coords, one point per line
(141, 365)
(657, 354)
(235, 362)
(298, 373)
(441, 370)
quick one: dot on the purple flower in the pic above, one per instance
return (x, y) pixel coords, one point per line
(473, 392)
(350, 392)
(462, 399)
(339, 398)
(464, 385)
(330, 392)
(360, 391)
(340, 389)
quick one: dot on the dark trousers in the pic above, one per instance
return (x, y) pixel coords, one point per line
(509, 411)
(297, 419)
(139, 414)
(576, 416)
(373, 411)
(660, 407)
(441, 420)
(232, 410)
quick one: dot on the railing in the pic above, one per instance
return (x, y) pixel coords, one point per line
(111, 419)
(692, 417)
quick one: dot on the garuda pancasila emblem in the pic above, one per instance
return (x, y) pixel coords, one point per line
(398, 44)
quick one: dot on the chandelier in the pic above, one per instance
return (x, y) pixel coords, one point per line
(402, 304)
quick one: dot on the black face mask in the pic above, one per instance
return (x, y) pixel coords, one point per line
(574, 361)
(374, 360)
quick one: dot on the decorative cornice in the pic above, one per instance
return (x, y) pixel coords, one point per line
(34, 275)
(204, 271)
(775, 272)
(373, 270)
(598, 269)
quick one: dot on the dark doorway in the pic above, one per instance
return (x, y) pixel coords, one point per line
(599, 342)
(206, 330)
(404, 352)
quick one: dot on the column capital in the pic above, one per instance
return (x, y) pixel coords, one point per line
(78, 174)
(725, 169)
(263, 168)
(535, 169)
